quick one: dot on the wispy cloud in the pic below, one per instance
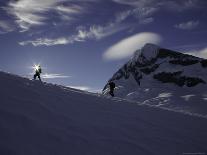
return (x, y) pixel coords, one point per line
(84, 88)
(54, 76)
(146, 20)
(145, 9)
(47, 42)
(187, 25)
(72, 9)
(29, 13)
(169, 4)
(94, 32)
(5, 27)
(142, 14)
(126, 47)
(134, 3)
(99, 32)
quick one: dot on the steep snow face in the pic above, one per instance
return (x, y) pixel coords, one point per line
(148, 52)
(44, 119)
(154, 71)
(145, 55)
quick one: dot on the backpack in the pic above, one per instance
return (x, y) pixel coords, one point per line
(112, 84)
(40, 70)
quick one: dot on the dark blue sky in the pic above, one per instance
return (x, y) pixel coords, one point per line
(81, 43)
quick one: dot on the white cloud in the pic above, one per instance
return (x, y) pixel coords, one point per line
(54, 76)
(67, 13)
(123, 15)
(47, 42)
(99, 32)
(144, 10)
(84, 88)
(30, 13)
(94, 32)
(187, 25)
(169, 4)
(202, 53)
(134, 3)
(146, 20)
(142, 14)
(72, 9)
(5, 27)
(126, 47)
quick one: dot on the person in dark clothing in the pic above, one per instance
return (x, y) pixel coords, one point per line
(112, 87)
(38, 71)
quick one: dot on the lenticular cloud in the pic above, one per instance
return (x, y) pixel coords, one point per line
(126, 47)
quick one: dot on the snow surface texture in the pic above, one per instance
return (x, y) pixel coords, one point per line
(180, 93)
(44, 119)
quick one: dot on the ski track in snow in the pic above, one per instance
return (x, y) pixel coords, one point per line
(118, 99)
(47, 119)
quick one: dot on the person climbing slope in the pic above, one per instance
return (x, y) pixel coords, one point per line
(112, 87)
(38, 71)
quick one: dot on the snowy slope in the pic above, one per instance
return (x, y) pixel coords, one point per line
(164, 78)
(46, 119)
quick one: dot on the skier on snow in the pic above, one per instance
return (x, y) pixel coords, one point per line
(38, 71)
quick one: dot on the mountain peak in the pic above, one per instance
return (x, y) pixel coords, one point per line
(150, 51)
(150, 45)
(146, 53)
(154, 70)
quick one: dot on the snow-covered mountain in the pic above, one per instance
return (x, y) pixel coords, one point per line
(45, 119)
(164, 78)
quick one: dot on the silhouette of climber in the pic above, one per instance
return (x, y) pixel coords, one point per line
(38, 71)
(111, 86)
